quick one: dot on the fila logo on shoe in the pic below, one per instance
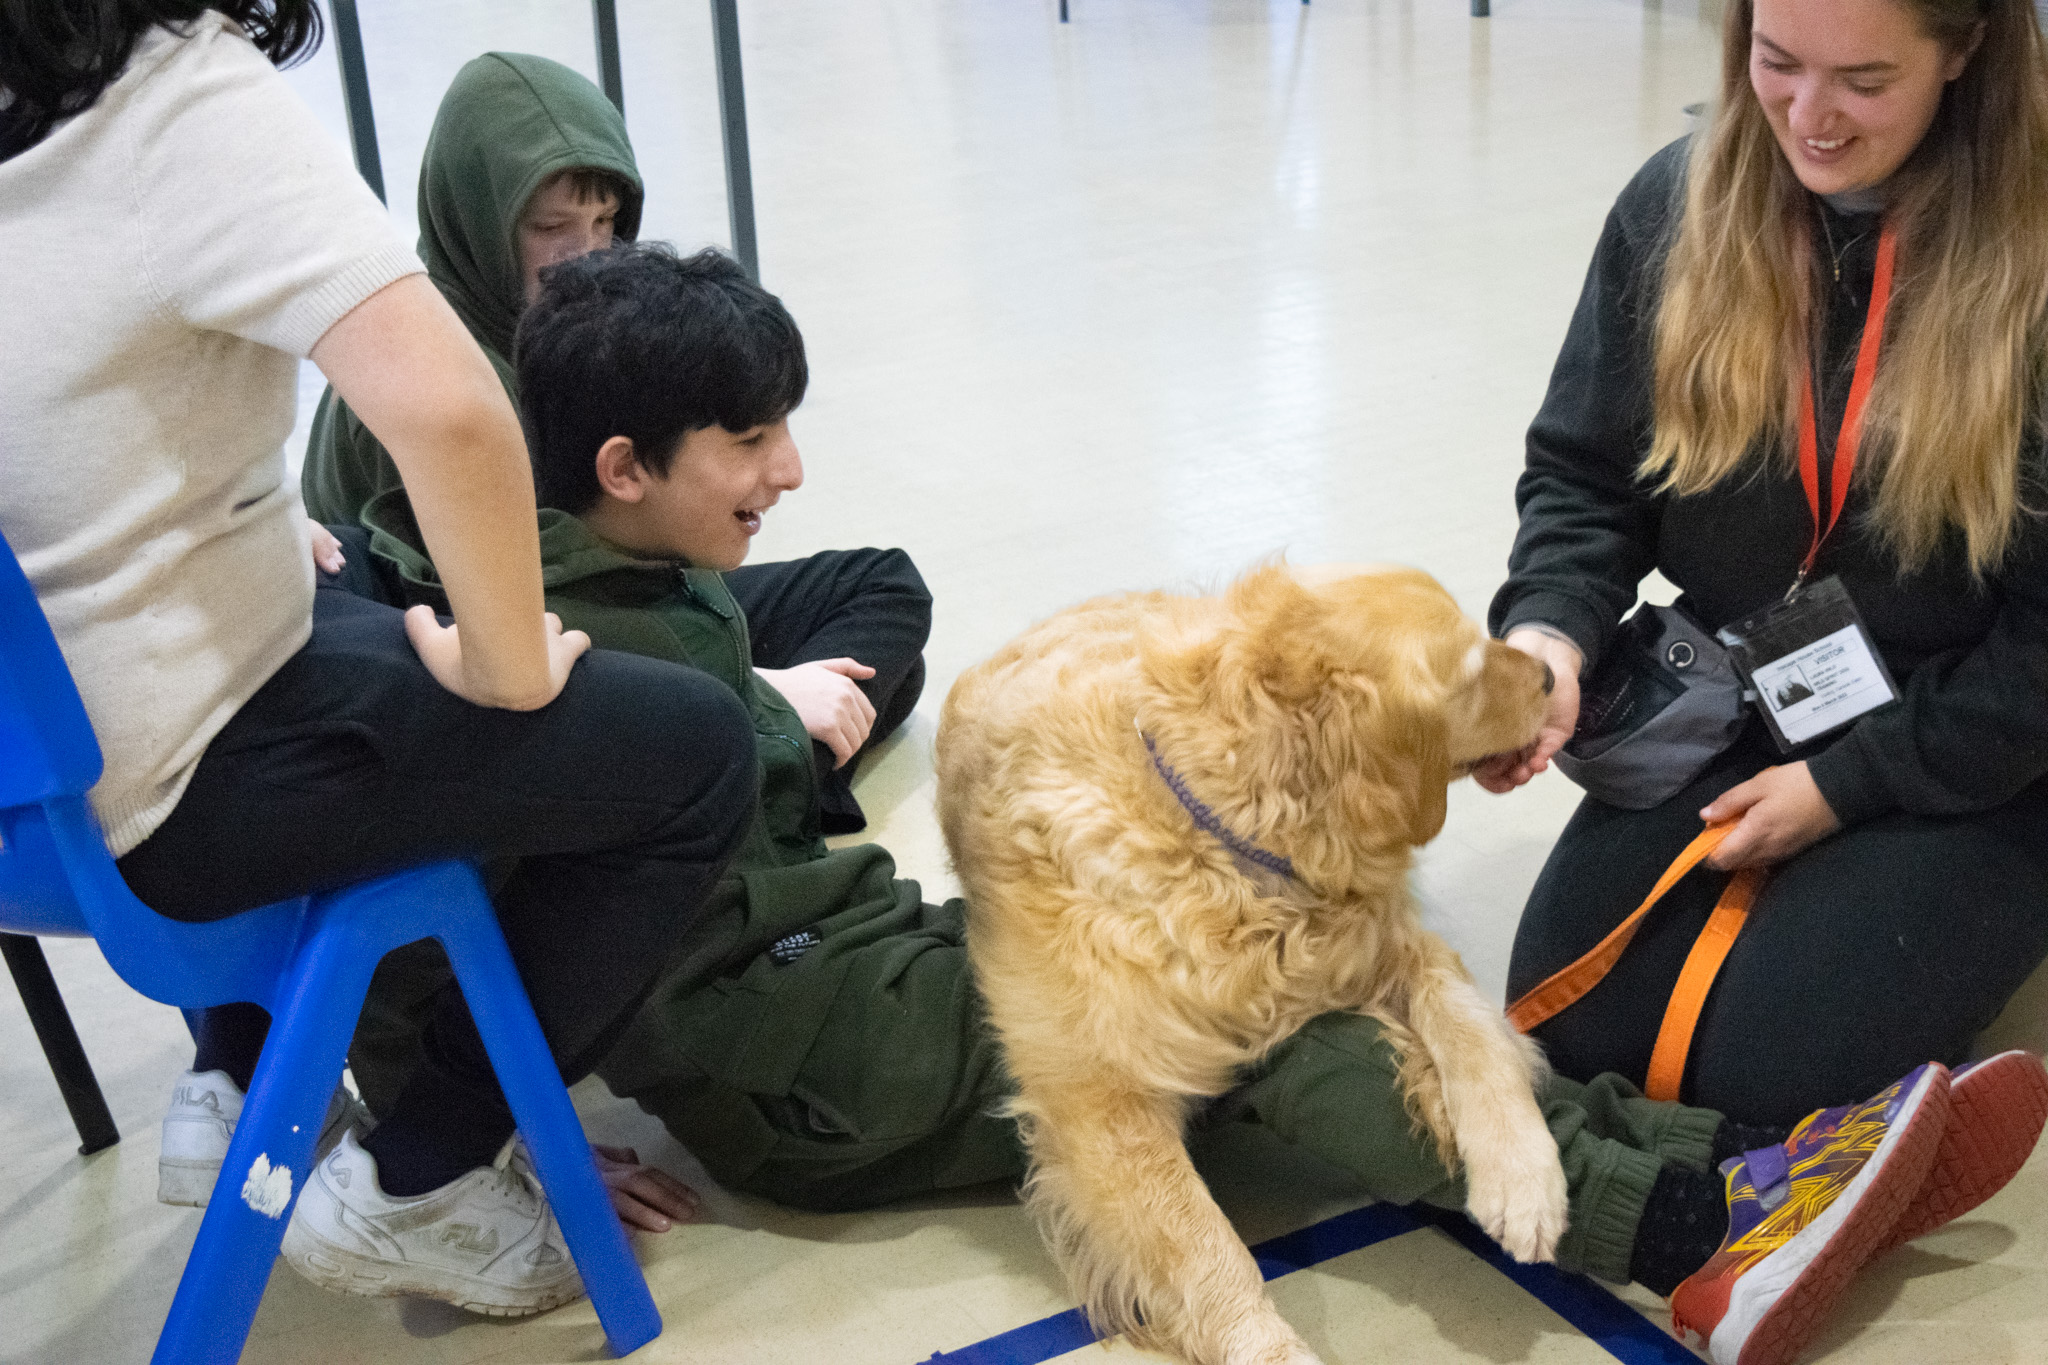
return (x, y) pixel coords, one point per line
(470, 1238)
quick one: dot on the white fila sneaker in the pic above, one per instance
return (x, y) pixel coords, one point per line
(486, 1242)
(201, 1122)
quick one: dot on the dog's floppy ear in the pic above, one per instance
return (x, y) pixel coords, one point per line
(1388, 754)
(1278, 638)
(1311, 660)
(1430, 799)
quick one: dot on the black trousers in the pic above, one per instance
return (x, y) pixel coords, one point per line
(619, 803)
(1881, 947)
(869, 605)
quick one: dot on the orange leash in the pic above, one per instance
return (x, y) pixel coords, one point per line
(1695, 979)
(1689, 996)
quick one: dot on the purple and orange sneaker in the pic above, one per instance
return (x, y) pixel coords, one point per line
(1997, 1108)
(1805, 1216)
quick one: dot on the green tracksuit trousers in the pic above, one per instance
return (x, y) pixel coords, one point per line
(863, 1071)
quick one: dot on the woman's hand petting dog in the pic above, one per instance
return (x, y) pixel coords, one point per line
(645, 1197)
(834, 712)
(1505, 772)
(1781, 813)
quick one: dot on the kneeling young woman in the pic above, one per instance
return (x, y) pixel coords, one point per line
(1809, 357)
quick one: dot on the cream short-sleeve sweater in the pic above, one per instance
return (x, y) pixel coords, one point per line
(165, 258)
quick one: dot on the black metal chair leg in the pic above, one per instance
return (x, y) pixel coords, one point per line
(31, 973)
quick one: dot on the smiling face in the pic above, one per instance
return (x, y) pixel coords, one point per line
(707, 508)
(1849, 86)
(565, 218)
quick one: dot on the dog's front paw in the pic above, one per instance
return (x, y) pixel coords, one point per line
(1264, 1338)
(1294, 1352)
(1521, 1203)
(1299, 1355)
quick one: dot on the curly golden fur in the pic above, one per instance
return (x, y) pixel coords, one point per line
(1132, 964)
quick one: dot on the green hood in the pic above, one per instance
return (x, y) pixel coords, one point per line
(507, 123)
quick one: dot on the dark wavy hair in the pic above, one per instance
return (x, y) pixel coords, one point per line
(58, 56)
(642, 343)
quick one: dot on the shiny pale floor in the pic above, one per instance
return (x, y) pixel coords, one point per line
(1132, 302)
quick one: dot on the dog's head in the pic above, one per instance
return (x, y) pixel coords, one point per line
(1364, 692)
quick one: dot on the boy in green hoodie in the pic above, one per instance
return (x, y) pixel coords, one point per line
(528, 164)
(819, 1040)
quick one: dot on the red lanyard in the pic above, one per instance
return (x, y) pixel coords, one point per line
(1852, 415)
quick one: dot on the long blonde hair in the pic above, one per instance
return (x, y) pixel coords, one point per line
(1960, 382)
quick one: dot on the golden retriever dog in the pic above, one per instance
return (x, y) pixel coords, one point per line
(1184, 826)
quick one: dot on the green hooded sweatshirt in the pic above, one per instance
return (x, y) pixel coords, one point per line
(663, 609)
(507, 123)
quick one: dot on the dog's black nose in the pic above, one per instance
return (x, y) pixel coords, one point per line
(1549, 680)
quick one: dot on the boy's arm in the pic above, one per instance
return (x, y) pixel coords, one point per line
(835, 712)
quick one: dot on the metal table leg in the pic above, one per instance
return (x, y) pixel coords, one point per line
(355, 94)
(604, 17)
(732, 118)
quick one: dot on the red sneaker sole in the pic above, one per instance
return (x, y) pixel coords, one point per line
(1782, 1333)
(1996, 1113)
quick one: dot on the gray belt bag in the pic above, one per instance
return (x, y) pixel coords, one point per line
(1663, 702)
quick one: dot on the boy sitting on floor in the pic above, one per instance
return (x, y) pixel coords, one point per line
(819, 1041)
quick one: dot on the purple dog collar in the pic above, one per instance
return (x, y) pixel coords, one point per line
(1206, 819)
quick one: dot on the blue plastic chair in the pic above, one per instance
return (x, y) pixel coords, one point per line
(308, 961)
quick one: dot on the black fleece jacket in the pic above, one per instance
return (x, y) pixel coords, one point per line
(1970, 730)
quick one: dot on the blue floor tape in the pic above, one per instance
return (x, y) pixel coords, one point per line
(1607, 1322)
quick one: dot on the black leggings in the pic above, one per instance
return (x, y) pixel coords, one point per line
(1881, 947)
(621, 802)
(869, 605)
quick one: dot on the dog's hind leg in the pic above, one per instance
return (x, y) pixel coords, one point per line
(1484, 1089)
(1143, 1244)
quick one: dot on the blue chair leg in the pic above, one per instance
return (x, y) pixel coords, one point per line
(272, 1151)
(547, 1120)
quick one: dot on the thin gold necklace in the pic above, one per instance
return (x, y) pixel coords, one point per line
(1834, 256)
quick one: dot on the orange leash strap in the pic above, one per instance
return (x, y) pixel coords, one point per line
(1695, 979)
(1574, 981)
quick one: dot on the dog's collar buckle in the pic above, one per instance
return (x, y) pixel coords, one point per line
(1243, 850)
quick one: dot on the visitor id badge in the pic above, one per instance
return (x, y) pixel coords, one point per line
(1809, 663)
